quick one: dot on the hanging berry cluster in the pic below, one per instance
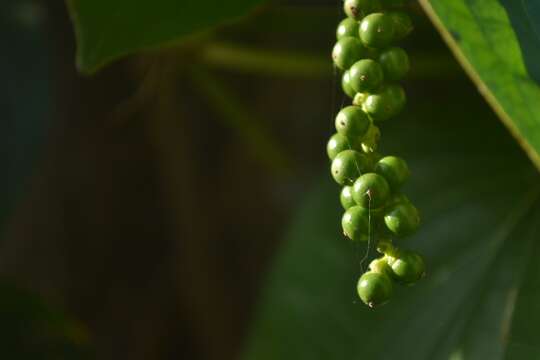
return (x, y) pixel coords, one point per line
(374, 207)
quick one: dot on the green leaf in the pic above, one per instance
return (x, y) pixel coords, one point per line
(498, 43)
(479, 197)
(32, 329)
(106, 30)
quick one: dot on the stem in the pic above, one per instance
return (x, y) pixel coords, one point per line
(264, 61)
(248, 126)
(384, 246)
(257, 61)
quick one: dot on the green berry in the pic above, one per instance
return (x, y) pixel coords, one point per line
(339, 143)
(374, 288)
(402, 24)
(347, 27)
(386, 103)
(347, 166)
(347, 51)
(407, 267)
(394, 170)
(345, 197)
(366, 75)
(352, 122)
(355, 223)
(370, 141)
(381, 266)
(371, 191)
(357, 9)
(346, 85)
(399, 198)
(377, 30)
(402, 219)
(395, 63)
(396, 93)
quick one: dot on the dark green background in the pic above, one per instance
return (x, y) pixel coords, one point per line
(177, 203)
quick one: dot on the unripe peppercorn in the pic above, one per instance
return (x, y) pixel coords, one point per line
(352, 122)
(377, 30)
(347, 51)
(355, 223)
(347, 166)
(374, 288)
(371, 191)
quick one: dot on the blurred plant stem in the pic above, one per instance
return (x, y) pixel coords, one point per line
(265, 62)
(251, 60)
(248, 126)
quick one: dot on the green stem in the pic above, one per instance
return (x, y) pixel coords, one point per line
(248, 126)
(263, 61)
(384, 246)
(252, 60)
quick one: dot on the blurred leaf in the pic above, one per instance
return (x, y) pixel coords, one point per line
(25, 98)
(106, 30)
(479, 199)
(31, 329)
(498, 44)
(265, 62)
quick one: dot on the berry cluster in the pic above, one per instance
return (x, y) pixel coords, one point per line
(374, 206)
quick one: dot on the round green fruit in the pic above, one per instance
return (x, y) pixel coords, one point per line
(386, 103)
(347, 166)
(400, 198)
(402, 219)
(402, 24)
(377, 30)
(408, 267)
(346, 85)
(352, 122)
(394, 170)
(337, 144)
(357, 9)
(345, 197)
(380, 265)
(347, 27)
(347, 51)
(366, 75)
(395, 63)
(374, 288)
(371, 191)
(355, 223)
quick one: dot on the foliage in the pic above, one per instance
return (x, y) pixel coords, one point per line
(106, 29)
(478, 195)
(479, 198)
(31, 329)
(497, 42)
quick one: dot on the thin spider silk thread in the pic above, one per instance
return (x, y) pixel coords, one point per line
(366, 255)
(333, 95)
